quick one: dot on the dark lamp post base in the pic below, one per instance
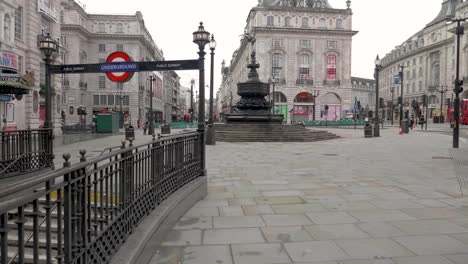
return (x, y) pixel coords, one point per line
(210, 135)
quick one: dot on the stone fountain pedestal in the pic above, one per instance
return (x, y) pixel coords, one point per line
(253, 107)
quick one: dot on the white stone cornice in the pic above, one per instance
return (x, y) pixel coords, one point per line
(307, 30)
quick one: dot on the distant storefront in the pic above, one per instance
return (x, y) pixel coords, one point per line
(13, 87)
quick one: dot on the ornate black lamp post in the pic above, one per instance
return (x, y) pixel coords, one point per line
(378, 67)
(458, 83)
(402, 68)
(48, 46)
(315, 94)
(201, 38)
(151, 117)
(192, 83)
(210, 132)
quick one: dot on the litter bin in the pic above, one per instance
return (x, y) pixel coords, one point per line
(405, 128)
(166, 129)
(129, 132)
(368, 132)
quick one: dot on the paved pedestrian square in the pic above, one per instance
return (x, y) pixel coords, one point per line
(349, 201)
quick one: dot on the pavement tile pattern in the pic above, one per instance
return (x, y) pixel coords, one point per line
(349, 201)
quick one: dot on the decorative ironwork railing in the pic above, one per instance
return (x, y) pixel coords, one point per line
(97, 203)
(25, 151)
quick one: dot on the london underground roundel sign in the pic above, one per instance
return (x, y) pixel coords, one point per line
(119, 76)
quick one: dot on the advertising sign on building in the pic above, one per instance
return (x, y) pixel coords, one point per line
(9, 61)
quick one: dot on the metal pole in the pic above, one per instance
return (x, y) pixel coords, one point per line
(210, 120)
(48, 100)
(456, 128)
(354, 111)
(441, 104)
(427, 111)
(393, 91)
(121, 111)
(376, 120)
(273, 101)
(315, 102)
(191, 100)
(402, 68)
(151, 121)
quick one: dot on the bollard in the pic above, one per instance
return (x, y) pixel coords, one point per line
(123, 144)
(159, 136)
(66, 157)
(154, 136)
(83, 155)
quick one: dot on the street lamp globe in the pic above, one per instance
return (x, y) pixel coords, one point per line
(48, 45)
(212, 42)
(378, 62)
(201, 37)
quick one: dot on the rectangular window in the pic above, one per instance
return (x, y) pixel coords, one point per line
(305, 44)
(103, 99)
(126, 100)
(277, 62)
(64, 97)
(270, 20)
(46, 24)
(331, 67)
(102, 82)
(120, 47)
(63, 41)
(102, 48)
(277, 43)
(287, 21)
(20, 64)
(304, 68)
(83, 99)
(305, 22)
(102, 60)
(19, 23)
(420, 86)
(101, 28)
(110, 100)
(42, 73)
(96, 99)
(332, 44)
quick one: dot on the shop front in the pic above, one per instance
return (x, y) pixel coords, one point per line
(303, 110)
(13, 87)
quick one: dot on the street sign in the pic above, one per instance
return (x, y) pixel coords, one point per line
(5, 98)
(397, 79)
(118, 72)
(176, 65)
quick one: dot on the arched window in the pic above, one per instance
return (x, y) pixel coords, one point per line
(331, 67)
(277, 65)
(339, 23)
(120, 28)
(287, 21)
(304, 68)
(101, 27)
(322, 23)
(279, 97)
(305, 22)
(436, 74)
(304, 98)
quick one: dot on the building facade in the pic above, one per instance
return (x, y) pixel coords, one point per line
(21, 62)
(428, 63)
(364, 93)
(301, 46)
(91, 38)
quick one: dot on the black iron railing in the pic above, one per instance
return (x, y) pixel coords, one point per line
(25, 151)
(83, 213)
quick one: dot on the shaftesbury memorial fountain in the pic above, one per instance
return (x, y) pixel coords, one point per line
(253, 107)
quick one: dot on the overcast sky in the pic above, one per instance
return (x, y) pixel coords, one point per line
(382, 25)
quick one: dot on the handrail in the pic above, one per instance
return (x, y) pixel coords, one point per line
(12, 163)
(54, 174)
(31, 235)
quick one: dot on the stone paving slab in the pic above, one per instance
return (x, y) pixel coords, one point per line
(344, 201)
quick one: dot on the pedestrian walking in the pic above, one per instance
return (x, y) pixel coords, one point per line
(412, 123)
(145, 127)
(421, 121)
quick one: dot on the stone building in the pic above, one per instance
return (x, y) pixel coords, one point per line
(91, 38)
(429, 62)
(364, 92)
(172, 91)
(21, 22)
(301, 45)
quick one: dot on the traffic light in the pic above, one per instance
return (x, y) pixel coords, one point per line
(424, 100)
(448, 102)
(460, 87)
(399, 100)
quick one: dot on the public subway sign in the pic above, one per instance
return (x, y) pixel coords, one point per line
(116, 67)
(119, 67)
(9, 61)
